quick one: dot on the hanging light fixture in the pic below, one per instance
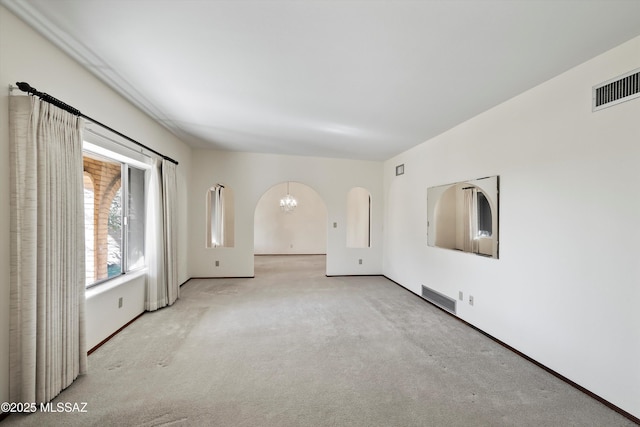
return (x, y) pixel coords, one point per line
(288, 203)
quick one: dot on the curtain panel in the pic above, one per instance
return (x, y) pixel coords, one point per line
(156, 296)
(470, 243)
(161, 236)
(170, 193)
(47, 290)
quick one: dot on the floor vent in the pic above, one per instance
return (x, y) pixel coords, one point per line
(615, 91)
(438, 299)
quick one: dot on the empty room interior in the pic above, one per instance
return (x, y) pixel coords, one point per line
(322, 206)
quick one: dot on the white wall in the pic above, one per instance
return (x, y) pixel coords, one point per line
(26, 56)
(251, 175)
(302, 231)
(104, 313)
(566, 287)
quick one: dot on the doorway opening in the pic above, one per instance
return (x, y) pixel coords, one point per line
(299, 231)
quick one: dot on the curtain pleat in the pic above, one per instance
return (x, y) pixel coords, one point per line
(47, 296)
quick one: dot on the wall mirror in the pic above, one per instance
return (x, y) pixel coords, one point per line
(464, 216)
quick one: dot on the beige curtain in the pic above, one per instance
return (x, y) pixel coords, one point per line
(47, 291)
(470, 243)
(170, 194)
(161, 236)
(156, 295)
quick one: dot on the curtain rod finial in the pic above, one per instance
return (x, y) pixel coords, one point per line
(25, 87)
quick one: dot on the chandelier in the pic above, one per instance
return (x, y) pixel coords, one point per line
(288, 203)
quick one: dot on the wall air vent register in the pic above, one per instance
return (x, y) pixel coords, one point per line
(442, 301)
(617, 90)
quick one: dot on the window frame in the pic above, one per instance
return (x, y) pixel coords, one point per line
(97, 152)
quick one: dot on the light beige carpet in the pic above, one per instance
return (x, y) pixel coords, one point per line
(295, 348)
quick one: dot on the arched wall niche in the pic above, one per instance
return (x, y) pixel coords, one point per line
(220, 206)
(358, 218)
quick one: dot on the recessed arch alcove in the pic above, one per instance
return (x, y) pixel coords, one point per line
(358, 218)
(301, 231)
(220, 216)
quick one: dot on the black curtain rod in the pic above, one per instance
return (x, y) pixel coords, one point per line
(26, 87)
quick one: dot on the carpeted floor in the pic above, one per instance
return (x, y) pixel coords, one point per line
(295, 348)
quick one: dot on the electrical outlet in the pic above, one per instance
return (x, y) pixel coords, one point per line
(335, 225)
(120, 302)
(470, 299)
(460, 296)
(217, 263)
(360, 261)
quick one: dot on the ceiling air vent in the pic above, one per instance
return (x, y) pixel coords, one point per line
(615, 91)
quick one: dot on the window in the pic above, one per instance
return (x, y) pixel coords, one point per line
(135, 219)
(485, 221)
(114, 211)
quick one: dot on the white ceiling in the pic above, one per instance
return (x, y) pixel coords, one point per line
(351, 79)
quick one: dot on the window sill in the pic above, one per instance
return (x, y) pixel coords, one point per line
(114, 283)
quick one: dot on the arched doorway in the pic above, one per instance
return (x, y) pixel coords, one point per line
(301, 231)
